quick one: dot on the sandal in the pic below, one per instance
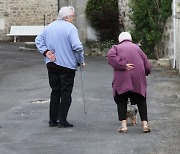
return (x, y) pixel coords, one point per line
(123, 130)
(146, 129)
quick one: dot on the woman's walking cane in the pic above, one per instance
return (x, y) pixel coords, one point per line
(82, 87)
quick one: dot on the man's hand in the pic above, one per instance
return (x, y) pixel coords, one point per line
(129, 66)
(83, 64)
(51, 56)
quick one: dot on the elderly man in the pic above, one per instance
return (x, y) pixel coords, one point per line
(60, 44)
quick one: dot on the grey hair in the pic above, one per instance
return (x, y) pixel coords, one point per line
(124, 36)
(65, 12)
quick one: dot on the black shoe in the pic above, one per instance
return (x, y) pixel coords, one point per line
(53, 123)
(63, 124)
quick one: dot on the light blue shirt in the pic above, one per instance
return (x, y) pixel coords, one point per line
(61, 37)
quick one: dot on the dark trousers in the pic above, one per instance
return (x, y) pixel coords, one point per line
(121, 101)
(61, 83)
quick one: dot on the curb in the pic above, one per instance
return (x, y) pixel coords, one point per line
(164, 62)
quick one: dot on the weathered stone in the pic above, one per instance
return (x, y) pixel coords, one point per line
(21, 12)
(165, 62)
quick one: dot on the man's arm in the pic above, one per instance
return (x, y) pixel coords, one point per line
(41, 45)
(77, 47)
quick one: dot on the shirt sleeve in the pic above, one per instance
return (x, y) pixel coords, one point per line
(40, 43)
(79, 56)
(76, 45)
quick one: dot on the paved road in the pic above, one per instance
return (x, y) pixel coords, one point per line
(24, 105)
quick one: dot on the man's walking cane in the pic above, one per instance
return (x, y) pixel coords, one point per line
(82, 87)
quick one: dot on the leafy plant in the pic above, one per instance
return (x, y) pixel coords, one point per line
(103, 16)
(149, 18)
(106, 44)
(92, 44)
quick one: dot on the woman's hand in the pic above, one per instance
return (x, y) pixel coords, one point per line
(129, 66)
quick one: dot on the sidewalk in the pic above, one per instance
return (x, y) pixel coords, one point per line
(24, 107)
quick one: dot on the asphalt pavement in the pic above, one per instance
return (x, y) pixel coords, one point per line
(24, 110)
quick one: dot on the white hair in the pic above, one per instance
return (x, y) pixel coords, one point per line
(65, 12)
(124, 36)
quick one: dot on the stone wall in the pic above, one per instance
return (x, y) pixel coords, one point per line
(25, 12)
(38, 12)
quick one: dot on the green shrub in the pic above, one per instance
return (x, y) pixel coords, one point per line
(103, 16)
(106, 44)
(149, 17)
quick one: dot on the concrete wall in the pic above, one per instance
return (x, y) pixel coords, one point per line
(178, 43)
(177, 34)
(124, 12)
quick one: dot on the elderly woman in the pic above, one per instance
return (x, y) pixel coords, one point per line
(131, 66)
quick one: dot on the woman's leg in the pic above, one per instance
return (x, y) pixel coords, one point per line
(142, 107)
(121, 101)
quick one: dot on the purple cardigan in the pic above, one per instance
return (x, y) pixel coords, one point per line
(135, 79)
